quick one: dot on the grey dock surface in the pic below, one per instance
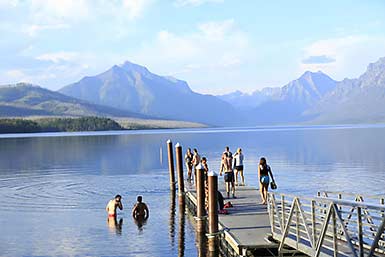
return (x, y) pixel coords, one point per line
(247, 225)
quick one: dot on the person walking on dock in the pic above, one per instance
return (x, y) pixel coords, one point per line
(188, 158)
(264, 171)
(227, 160)
(238, 167)
(195, 161)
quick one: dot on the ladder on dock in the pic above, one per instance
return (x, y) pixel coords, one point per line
(332, 224)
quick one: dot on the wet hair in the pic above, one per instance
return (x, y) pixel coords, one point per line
(118, 196)
(227, 148)
(204, 159)
(262, 162)
(139, 198)
(189, 149)
(195, 150)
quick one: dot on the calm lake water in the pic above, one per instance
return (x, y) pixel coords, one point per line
(54, 186)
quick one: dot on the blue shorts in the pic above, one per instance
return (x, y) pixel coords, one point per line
(265, 180)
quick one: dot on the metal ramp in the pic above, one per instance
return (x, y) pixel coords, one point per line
(328, 225)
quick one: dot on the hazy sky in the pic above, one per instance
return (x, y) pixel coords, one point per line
(217, 46)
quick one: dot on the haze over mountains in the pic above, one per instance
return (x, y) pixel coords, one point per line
(134, 88)
(131, 90)
(316, 98)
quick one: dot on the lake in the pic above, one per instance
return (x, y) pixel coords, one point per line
(54, 186)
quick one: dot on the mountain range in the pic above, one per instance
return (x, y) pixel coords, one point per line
(316, 98)
(131, 90)
(134, 88)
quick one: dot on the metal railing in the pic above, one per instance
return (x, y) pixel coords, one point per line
(325, 226)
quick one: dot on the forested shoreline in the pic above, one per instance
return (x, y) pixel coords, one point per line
(18, 125)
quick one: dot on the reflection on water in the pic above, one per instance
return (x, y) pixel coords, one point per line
(114, 225)
(172, 212)
(68, 180)
(181, 226)
(140, 222)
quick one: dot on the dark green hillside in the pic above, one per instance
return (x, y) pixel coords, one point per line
(58, 125)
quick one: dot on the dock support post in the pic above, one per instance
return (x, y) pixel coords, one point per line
(179, 168)
(200, 197)
(213, 211)
(171, 164)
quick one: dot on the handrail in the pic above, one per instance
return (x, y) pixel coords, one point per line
(323, 226)
(338, 201)
(352, 194)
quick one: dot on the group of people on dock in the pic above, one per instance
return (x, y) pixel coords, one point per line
(231, 166)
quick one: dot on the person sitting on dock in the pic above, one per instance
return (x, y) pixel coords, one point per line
(188, 158)
(113, 204)
(140, 210)
(264, 171)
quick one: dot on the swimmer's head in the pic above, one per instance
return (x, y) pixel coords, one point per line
(139, 198)
(118, 198)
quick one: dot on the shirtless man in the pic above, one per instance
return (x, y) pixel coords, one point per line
(195, 161)
(113, 204)
(140, 210)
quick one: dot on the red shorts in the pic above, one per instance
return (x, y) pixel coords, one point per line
(111, 215)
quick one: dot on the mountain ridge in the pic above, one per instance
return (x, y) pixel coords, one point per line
(134, 88)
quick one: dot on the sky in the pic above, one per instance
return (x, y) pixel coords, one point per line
(217, 46)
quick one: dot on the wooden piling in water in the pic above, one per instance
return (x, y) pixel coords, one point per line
(171, 164)
(213, 211)
(213, 203)
(201, 213)
(179, 168)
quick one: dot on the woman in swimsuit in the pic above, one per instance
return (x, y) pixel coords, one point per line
(264, 171)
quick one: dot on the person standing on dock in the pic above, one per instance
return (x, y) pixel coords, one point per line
(112, 205)
(195, 161)
(264, 171)
(227, 160)
(238, 167)
(188, 158)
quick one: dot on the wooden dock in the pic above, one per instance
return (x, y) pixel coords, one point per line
(246, 228)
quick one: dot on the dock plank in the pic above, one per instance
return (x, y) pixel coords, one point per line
(247, 224)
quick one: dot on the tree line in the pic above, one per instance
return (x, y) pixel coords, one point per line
(58, 125)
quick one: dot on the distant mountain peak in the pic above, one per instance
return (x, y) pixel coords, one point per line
(130, 66)
(311, 74)
(376, 66)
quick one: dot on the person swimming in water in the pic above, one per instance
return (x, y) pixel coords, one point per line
(113, 204)
(140, 210)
